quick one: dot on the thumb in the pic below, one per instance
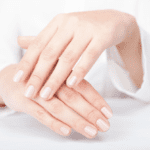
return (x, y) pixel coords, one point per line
(24, 41)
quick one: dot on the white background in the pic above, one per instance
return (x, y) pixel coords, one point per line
(130, 128)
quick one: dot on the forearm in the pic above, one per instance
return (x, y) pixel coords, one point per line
(131, 53)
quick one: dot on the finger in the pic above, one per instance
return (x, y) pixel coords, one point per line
(62, 112)
(76, 102)
(47, 60)
(30, 58)
(25, 41)
(94, 98)
(90, 94)
(89, 57)
(64, 66)
(42, 115)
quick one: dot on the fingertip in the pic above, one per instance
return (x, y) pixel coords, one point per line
(19, 38)
(65, 131)
(67, 83)
(45, 93)
(18, 76)
(107, 112)
(71, 81)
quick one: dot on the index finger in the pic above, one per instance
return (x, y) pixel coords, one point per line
(42, 115)
(29, 60)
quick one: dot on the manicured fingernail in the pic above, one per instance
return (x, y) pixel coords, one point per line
(104, 126)
(64, 130)
(73, 80)
(106, 112)
(46, 92)
(18, 76)
(91, 131)
(29, 91)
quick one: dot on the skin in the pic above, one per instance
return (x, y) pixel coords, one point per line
(130, 51)
(62, 42)
(129, 47)
(59, 111)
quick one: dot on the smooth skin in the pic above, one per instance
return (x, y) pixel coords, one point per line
(78, 109)
(62, 42)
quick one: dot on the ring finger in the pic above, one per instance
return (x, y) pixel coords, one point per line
(76, 102)
(62, 112)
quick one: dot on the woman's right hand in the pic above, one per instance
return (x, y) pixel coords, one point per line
(78, 108)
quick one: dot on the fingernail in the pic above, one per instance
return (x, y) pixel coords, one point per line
(91, 131)
(46, 92)
(73, 80)
(64, 130)
(106, 112)
(29, 91)
(104, 126)
(18, 76)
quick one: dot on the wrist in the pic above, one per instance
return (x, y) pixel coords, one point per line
(131, 53)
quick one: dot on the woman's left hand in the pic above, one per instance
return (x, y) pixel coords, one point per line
(63, 41)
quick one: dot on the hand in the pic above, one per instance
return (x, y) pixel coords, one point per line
(66, 38)
(78, 109)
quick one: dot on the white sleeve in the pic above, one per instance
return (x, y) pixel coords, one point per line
(10, 53)
(120, 77)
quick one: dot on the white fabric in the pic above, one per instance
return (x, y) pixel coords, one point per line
(107, 75)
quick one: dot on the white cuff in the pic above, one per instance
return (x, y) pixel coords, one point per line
(120, 77)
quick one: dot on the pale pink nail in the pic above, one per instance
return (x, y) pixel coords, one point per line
(29, 91)
(18, 76)
(91, 131)
(73, 80)
(64, 130)
(104, 126)
(106, 112)
(46, 92)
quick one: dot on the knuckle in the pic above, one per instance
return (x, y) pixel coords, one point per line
(91, 114)
(56, 81)
(73, 19)
(83, 85)
(96, 102)
(70, 96)
(60, 16)
(92, 54)
(82, 70)
(38, 43)
(26, 63)
(68, 58)
(40, 115)
(56, 106)
(36, 78)
(48, 54)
